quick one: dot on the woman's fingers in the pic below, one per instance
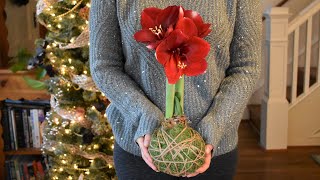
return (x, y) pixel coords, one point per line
(207, 161)
(143, 143)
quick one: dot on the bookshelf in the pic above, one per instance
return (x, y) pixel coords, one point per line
(12, 86)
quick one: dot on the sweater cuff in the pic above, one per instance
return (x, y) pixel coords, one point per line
(148, 123)
(209, 131)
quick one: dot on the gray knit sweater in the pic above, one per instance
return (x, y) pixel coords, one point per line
(129, 75)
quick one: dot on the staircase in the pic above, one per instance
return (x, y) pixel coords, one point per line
(292, 80)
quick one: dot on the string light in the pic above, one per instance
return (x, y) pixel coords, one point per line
(59, 26)
(85, 72)
(60, 18)
(96, 146)
(67, 131)
(72, 16)
(87, 22)
(72, 67)
(53, 61)
(64, 161)
(72, 40)
(105, 115)
(93, 108)
(88, 44)
(61, 169)
(91, 160)
(49, 25)
(70, 177)
(74, 2)
(87, 172)
(75, 166)
(110, 166)
(112, 146)
(70, 60)
(111, 137)
(88, 5)
(53, 14)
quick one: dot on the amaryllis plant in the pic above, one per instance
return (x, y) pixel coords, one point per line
(177, 36)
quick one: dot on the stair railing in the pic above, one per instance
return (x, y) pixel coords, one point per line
(275, 105)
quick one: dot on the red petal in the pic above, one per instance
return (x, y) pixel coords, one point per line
(145, 36)
(168, 16)
(187, 26)
(196, 48)
(167, 46)
(172, 72)
(203, 29)
(175, 40)
(196, 67)
(149, 16)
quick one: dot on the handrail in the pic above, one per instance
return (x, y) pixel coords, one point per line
(304, 15)
(280, 4)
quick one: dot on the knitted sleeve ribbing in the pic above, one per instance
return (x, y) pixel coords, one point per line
(107, 69)
(241, 76)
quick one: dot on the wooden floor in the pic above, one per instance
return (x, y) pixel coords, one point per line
(256, 164)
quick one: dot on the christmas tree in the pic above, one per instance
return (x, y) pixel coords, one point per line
(77, 138)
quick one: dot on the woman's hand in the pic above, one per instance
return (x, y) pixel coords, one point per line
(144, 144)
(207, 161)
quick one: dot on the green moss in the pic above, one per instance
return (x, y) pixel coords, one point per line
(185, 145)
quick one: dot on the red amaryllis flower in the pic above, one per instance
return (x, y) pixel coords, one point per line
(181, 54)
(203, 28)
(156, 25)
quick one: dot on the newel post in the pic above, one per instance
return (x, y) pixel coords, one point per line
(274, 113)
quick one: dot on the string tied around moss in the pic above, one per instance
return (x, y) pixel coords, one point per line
(176, 148)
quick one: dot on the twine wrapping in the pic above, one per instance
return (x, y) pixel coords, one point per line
(176, 148)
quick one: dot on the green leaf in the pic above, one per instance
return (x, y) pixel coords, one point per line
(170, 89)
(40, 73)
(177, 106)
(20, 61)
(35, 84)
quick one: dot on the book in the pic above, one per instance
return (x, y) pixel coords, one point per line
(19, 128)
(13, 129)
(26, 127)
(6, 128)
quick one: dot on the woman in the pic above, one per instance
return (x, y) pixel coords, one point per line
(129, 75)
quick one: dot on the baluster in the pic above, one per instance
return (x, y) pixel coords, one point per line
(295, 66)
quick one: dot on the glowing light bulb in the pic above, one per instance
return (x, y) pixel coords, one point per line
(53, 14)
(91, 160)
(60, 18)
(75, 166)
(72, 67)
(49, 25)
(72, 16)
(85, 72)
(70, 60)
(111, 137)
(112, 146)
(70, 177)
(59, 26)
(96, 146)
(88, 5)
(61, 169)
(64, 161)
(74, 2)
(67, 131)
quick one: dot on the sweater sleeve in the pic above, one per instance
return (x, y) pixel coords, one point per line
(107, 69)
(241, 76)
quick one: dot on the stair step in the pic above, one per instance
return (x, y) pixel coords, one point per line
(255, 121)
